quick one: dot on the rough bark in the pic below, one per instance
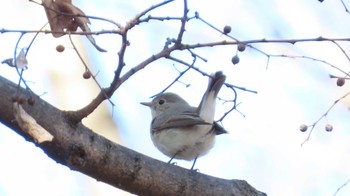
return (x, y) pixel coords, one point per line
(80, 149)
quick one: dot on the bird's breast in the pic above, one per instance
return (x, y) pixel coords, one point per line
(186, 142)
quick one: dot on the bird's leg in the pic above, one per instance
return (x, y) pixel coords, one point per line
(173, 158)
(194, 162)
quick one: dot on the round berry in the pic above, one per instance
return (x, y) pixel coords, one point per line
(340, 81)
(303, 128)
(241, 47)
(329, 127)
(227, 29)
(86, 74)
(31, 101)
(60, 48)
(20, 99)
(235, 60)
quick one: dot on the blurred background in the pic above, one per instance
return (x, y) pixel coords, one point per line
(264, 143)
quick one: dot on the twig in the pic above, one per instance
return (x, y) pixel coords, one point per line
(189, 66)
(324, 115)
(333, 76)
(263, 40)
(189, 46)
(240, 88)
(125, 43)
(341, 48)
(62, 32)
(234, 107)
(149, 17)
(213, 27)
(83, 115)
(196, 55)
(309, 58)
(346, 8)
(152, 8)
(183, 24)
(343, 51)
(342, 186)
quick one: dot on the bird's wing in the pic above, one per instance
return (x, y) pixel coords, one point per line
(178, 119)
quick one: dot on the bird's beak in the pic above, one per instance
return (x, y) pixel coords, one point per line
(149, 104)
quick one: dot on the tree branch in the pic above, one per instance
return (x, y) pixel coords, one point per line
(80, 149)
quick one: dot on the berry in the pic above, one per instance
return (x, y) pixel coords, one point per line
(303, 128)
(340, 81)
(235, 60)
(227, 29)
(31, 101)
(86, 74)
(60, 48)
(241, 47)
(20, 99)
(328, 127)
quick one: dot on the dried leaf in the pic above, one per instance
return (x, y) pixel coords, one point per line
(29, 125)
(57, 22)
(64, 16)
(21, 60)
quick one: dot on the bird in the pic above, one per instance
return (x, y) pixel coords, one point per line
(181, 131)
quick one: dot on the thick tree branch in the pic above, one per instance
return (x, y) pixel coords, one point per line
(80, 149)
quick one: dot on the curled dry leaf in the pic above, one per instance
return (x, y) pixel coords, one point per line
(29, 125)
(64, 16)
(21, 60)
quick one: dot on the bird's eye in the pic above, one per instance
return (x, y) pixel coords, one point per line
(161, 102)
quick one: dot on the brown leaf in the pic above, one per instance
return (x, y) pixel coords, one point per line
(29, 125)
(64, 16)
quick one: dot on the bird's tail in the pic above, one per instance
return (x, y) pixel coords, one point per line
(206, 108)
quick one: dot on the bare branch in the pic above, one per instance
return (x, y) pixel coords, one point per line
(148, 18)
(333, 76)
(183, 23)
(61, 32)
(179, 76)
(93, 107)
(308, 58)
(152, 8)
(342, 186)
(117, 82)
(346, 8)
(323, 116)
(213, 27)
(247, 42)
